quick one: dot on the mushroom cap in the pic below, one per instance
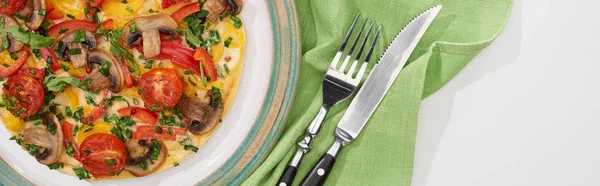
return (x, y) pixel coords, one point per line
(142, 151)
(215, 8)
(115, 81)
(67, 40)
(148, 28)
(39, 136)
(235, 6)
(13, 44)
(201, 116)
(35, 20)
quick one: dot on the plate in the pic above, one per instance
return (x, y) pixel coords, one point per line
(248, 131)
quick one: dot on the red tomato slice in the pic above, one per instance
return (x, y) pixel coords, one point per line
(33, 72)
(28, 92)
(96, 112)
(207, 63)
(148, 132)
(69, 139)
(14, 68)
(108, 24)
(139, 113)
(168, 3)
(12, 6)
(48, 53)
(106, 155)
(185, 11)
(72, 25)
(161, 86)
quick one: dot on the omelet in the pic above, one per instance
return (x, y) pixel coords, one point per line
(112, 89)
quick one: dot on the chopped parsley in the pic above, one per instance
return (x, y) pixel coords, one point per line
(236, 21)
(82, 173)
(148, 64)
(110, 162)
(190, 148)
(104, 68)
(42, 12)
(144, 165)
(129, 9)
(74, 51)
(87, 152)
(70, 16)
(55, 165)
(70, 150)
(79, 36)
(227, 42)
(65, 67)
(89, 99)
(226, 68)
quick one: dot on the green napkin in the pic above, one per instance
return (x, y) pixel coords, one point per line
(383, 153)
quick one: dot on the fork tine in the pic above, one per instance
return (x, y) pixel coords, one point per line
(343, 45)
(363, 67)
(362, 46)
(362, 28)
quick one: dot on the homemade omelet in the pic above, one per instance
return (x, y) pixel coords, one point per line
(109, 89)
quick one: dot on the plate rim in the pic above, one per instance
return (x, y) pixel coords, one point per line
(274, 110)
(273, 115)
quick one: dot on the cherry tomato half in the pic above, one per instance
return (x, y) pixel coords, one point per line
(160, 87)
(33, 72)
(103, 154)
(28, 92)
(12, 6)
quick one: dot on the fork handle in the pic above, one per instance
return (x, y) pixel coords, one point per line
(288, 175)
(319, 172)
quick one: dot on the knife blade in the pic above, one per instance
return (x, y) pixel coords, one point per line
(383, 75)
(373, 91)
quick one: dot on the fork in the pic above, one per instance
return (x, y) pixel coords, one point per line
(337, 86)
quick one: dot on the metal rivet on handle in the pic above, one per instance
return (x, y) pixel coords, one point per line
(321, 172)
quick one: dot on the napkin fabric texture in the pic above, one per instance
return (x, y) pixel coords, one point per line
(383, 153)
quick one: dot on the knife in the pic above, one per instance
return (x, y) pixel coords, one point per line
(370, 95)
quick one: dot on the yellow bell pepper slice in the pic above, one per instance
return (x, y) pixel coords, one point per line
(72, 97)
(99, 127)
(72, 7)
(5, 58)
(11, 122)
(118, 8)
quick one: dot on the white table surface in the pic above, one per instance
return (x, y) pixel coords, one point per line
(526, 111)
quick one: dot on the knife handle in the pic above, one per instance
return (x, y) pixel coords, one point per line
(318, 174)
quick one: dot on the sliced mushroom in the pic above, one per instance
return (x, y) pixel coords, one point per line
(201, 116)
(140, 152)
(13, 44)
(148, 28)
(31, 11)
(235, 6)
(217, 7)
(49, 146)
(66, 42)
(115, 79)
